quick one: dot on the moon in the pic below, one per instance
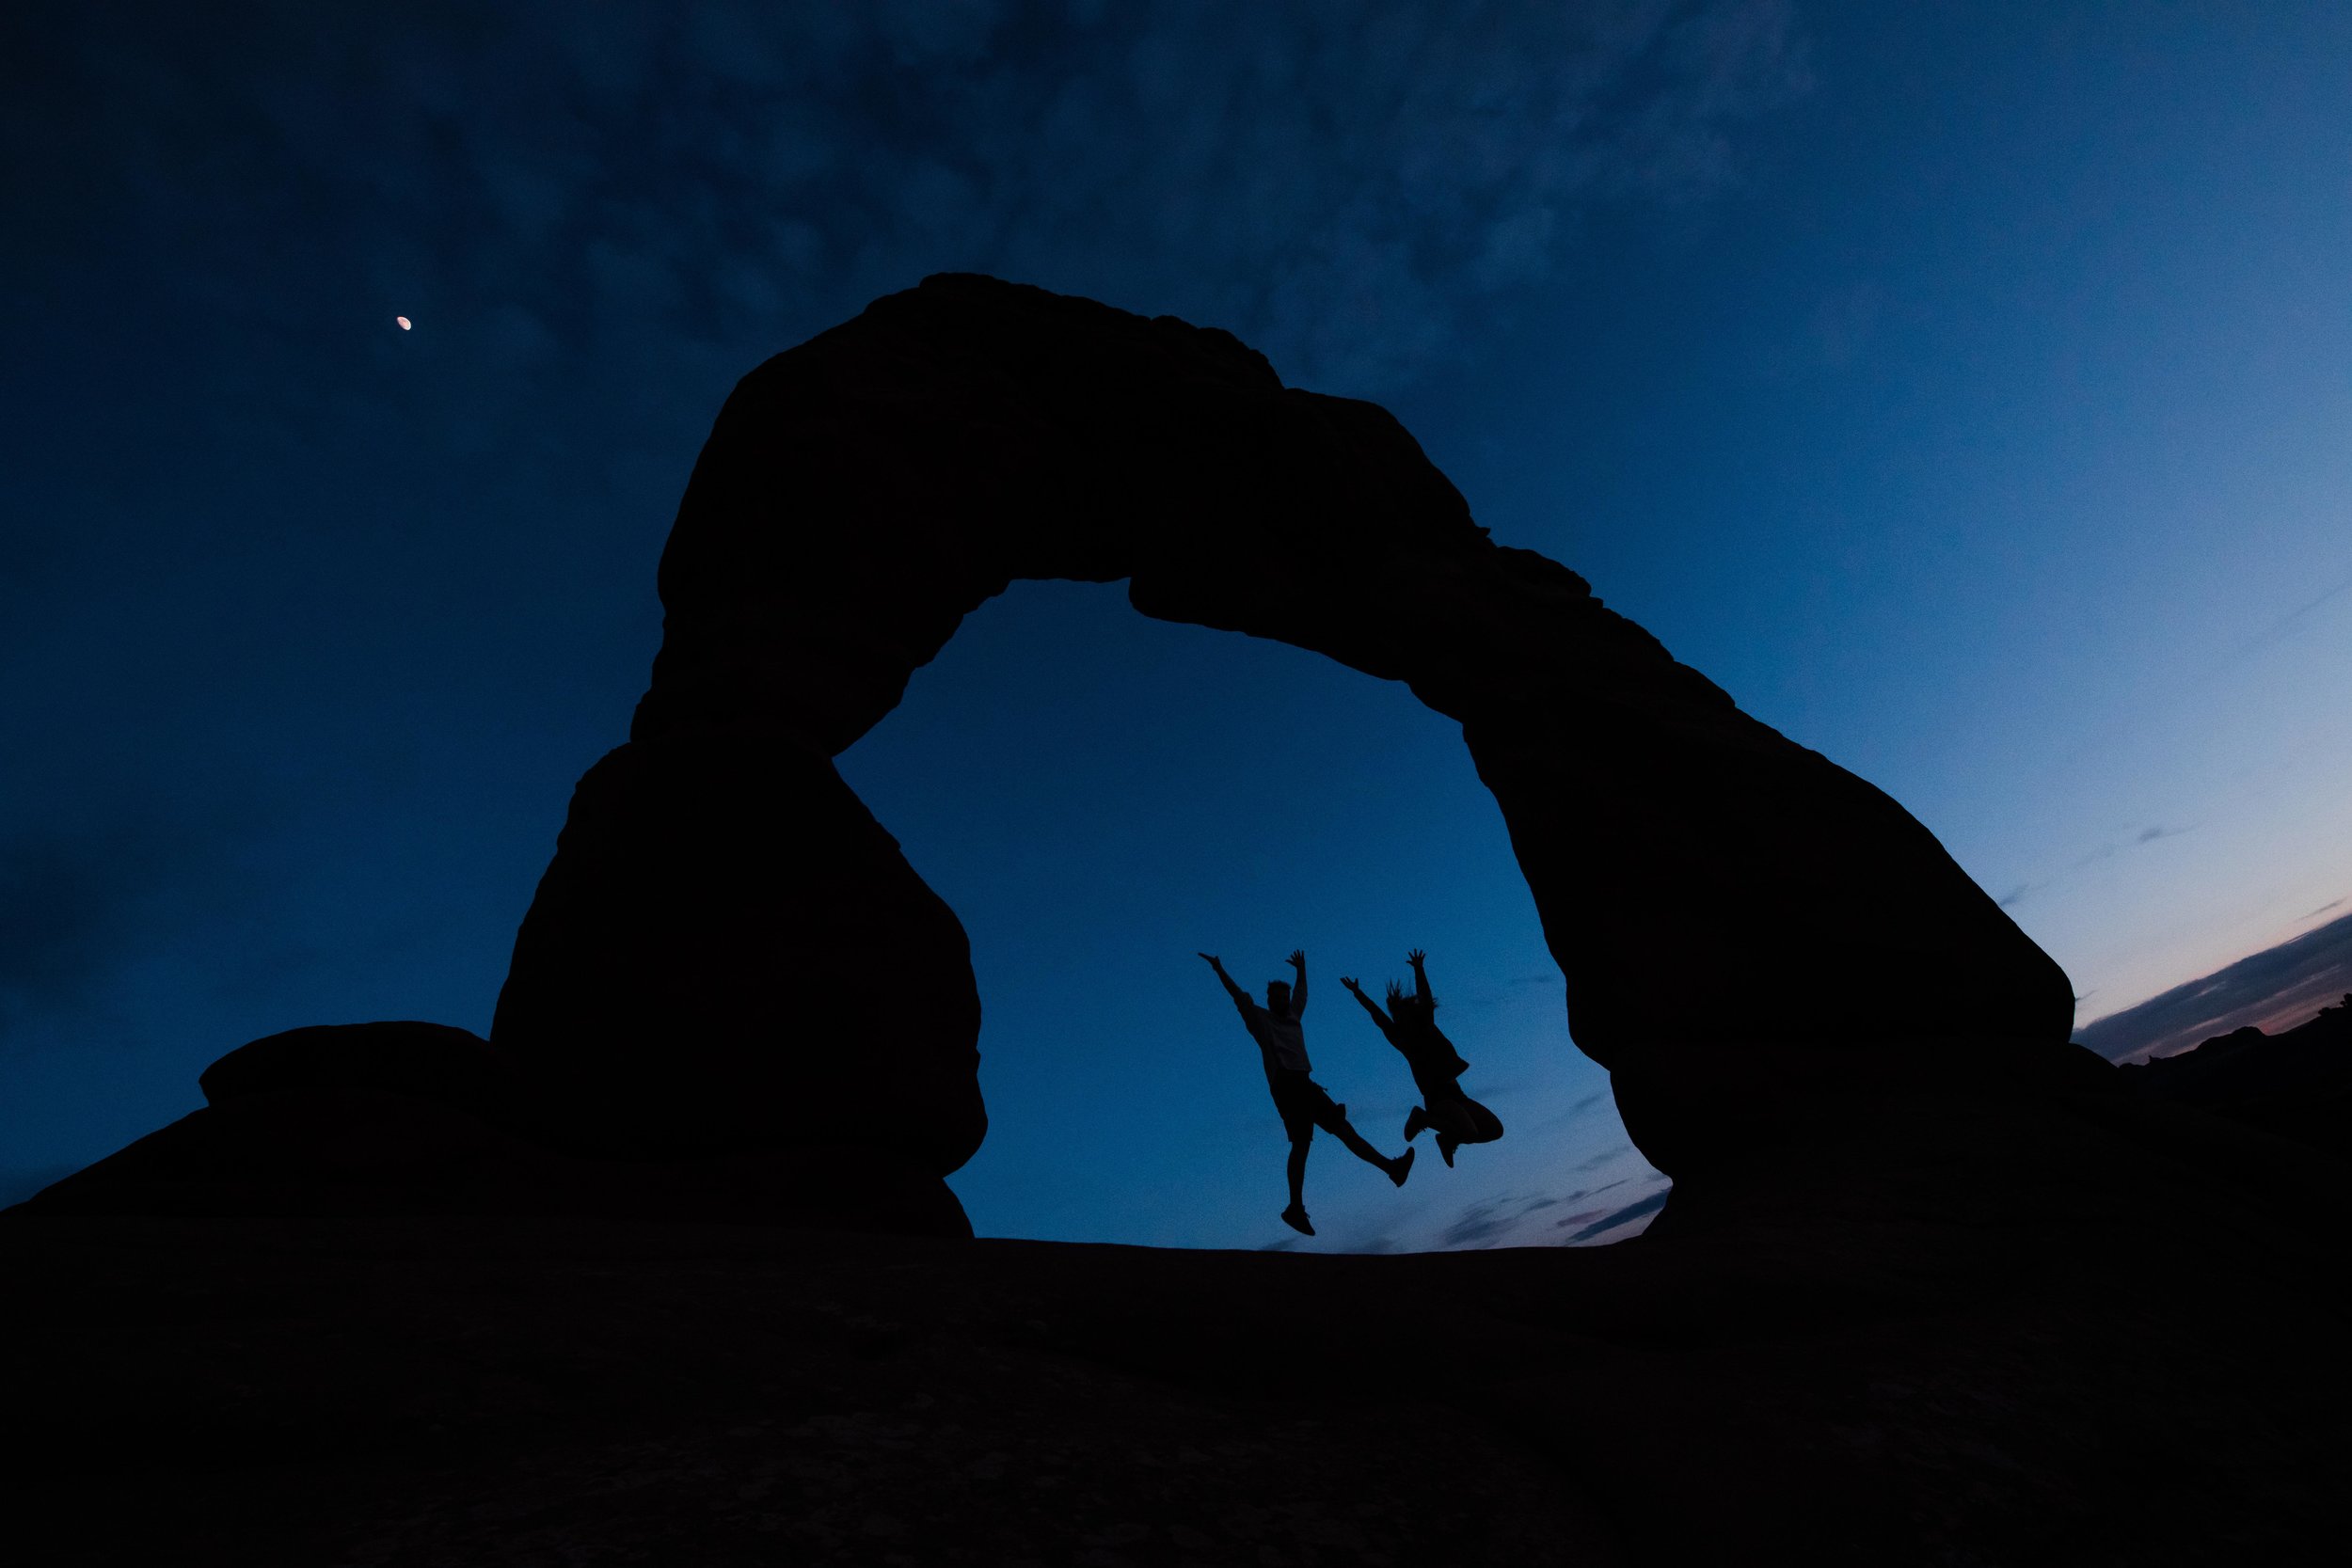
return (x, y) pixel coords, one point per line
(402, 321)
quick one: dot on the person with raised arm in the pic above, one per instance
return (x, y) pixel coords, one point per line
(1410, 1025)
(1301, 1101)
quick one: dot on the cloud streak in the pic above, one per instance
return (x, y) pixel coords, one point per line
(1609, 1222)
(2286, 623)
(2150, 835)
(2297, 975)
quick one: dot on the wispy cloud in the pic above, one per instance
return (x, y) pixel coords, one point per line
(1523, 1218)
(1478, 1223)
(2113, 847)
(1609, 1222)
(2107, 851)
(2286, 623)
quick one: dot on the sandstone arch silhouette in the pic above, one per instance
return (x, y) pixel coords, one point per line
(728, 952)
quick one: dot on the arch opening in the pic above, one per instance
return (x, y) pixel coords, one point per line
(1090, 845)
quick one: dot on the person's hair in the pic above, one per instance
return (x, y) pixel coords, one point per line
(1400, 999)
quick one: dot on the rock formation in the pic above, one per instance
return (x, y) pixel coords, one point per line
(729, 961)
(1933, 1286)
(1741, 923)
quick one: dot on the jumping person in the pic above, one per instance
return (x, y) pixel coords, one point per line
(1437, 1067)
(1301, 1101)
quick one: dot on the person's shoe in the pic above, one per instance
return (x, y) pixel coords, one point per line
(1296, 1217)
(1445, 1149)
(1400, 1169)
(1414, 1121)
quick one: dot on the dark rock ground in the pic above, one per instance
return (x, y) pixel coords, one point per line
(1885, 1379)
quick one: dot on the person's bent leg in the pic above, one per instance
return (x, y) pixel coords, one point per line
(1394, 1169)
(1449, 1118)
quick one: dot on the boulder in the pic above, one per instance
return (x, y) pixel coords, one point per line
(346, 1153)
(314, 1150)
(448, 1065)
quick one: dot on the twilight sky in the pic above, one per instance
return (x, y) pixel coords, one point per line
(1966, 389)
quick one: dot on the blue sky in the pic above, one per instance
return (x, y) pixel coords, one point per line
(1966, 389)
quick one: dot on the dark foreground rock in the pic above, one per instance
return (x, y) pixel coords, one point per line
(1881, 1391)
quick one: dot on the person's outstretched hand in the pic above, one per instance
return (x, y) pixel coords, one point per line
(1415, 957)
(1298, 960)
(1351, 985)
(1214, 962)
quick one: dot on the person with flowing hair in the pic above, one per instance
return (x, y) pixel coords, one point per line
(1410, 1025)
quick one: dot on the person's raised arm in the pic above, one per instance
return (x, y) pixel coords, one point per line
(1370, 1006)
(1240, 997)
(1298, 988)
(1420, 975)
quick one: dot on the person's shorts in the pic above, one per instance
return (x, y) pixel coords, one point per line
(1304, 1106)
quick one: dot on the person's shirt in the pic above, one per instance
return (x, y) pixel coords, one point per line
(1426, 1051)
(1282, 1041)
(1424, 1046)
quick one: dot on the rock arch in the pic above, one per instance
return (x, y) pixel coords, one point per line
(729, 952)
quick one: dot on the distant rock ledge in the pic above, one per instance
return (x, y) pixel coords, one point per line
(2298, 1084)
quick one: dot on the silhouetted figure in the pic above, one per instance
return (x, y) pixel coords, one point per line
(1411, 1025)
(1302, 1102)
